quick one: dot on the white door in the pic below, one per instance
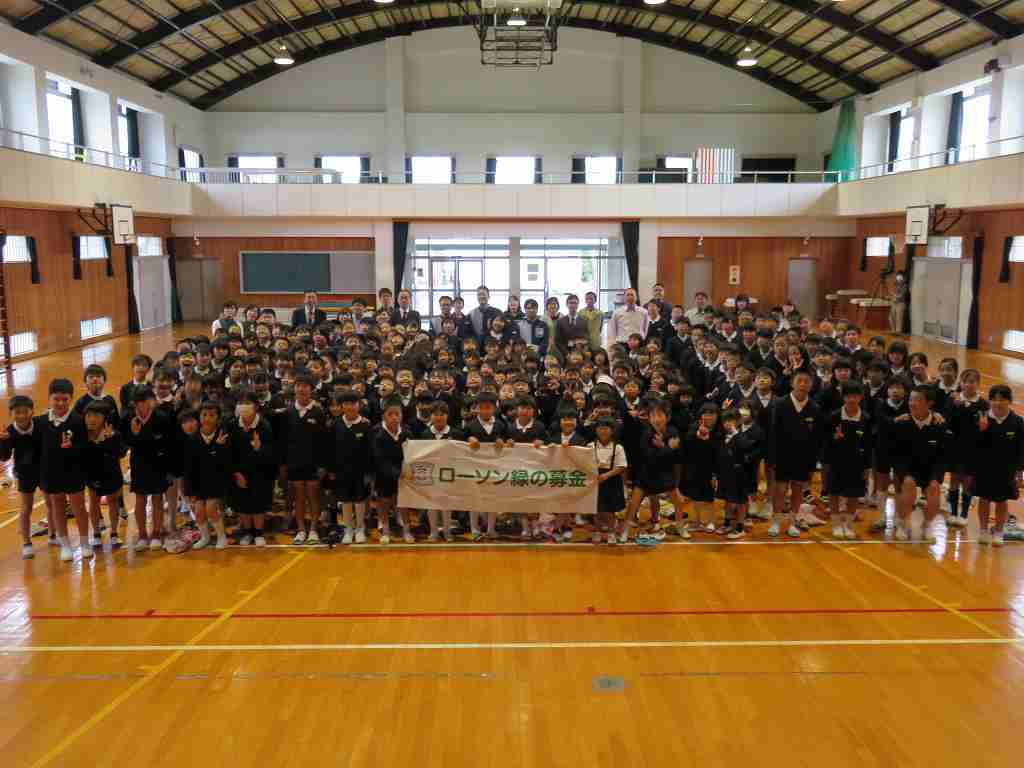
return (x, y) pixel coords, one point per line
(802, 285)
(935, 305)
(152, 292)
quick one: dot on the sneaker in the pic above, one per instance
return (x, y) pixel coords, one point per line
(659, 535)
(476, 536)
(956, 521)
(984, 536)
(849, 533)
(313, 537)
(997, 538)
(156, 543)
(407, 537)
(360, 535)
(259, 541)
(623, 537)
(347, 538)
(385, 538)
(595, 537)
(245, 541)
(901, 534)
(66, 555)
(141, 545)
(773, 529)
(736, 533)
(567, 535)
(26, 552)
(580, 521)
(709, 528)
(878, 526)
(928, 533)
(300, 538)
(222, 542)
(86, 553)
(793, 532)
(96, 541)
(52, 542)
(838, 532)
(683, 530)
(611, 539)
(115, 541)
(202, 543)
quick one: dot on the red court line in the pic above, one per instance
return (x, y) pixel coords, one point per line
(154, 614)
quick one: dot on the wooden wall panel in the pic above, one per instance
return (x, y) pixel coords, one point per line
(763, 263)
(1001, 308)
(226, 250)
(55, 307)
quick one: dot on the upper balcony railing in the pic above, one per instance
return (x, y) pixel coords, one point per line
(25, 142)
(37, 145)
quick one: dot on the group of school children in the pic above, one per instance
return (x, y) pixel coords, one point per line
(697, 408)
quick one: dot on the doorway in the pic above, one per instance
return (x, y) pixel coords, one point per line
(802, 286)
(153, 291)
(936, 299)
(200, 288)
(697, 276)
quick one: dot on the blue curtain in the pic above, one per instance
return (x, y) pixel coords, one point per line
(538, 170)
(492, 170)
(129, 276)
(134, 149)
(172, 271)
(972, 317)
(956, 125)
(894, 138)
(631, 245)
(843, 158)
(579, 170)
(400, 233)
(110, 258)
(33, 259)
(1004, 267)
(76, 257)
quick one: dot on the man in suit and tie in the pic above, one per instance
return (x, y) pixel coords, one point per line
(571, 326)
(309, 313)
(404, 314)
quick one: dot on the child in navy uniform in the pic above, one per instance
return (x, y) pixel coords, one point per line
(730, 473)
(388, 456)
(920, 450)
(486, 428)
(441, 519)
(659, 445)
(884, 420)
(253, 465)
(963, 407)
(102, 456)
(95, 378)
(701, 447)
(20, 440)
(352, 463)
(610, 457)
(61, 471)
(794, 445)
(208, 471)
(302, 443)
(847, 457)
(149, 433)
(998, 452)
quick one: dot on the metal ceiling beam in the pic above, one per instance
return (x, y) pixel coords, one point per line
(49, 15)
(982, 16)
(378, 35)
(163, 29)
(888, 43)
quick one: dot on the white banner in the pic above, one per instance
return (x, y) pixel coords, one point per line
(445, 474)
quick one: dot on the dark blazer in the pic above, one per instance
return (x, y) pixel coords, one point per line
(565, 333)
(299, 317)
(412, 318)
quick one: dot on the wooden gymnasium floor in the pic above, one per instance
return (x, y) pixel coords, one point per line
(796, 653)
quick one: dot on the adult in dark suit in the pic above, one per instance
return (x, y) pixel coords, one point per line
(404, 314)
(571, 326)
(309, 313)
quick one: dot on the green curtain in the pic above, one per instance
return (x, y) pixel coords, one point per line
(844, 146)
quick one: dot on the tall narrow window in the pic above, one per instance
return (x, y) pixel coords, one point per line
(347, 169)
(601, 170)
(60, 118)
(974, 130)
(258, 163)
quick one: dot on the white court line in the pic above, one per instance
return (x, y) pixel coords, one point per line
(601, 547)
(17, 512)
(42, 649)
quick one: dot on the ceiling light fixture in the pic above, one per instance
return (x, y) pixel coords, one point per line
(746, 58)
(516, 19)
(384, 2)
(283, 57)
(654, 2)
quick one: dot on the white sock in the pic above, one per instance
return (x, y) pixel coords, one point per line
(219, 528)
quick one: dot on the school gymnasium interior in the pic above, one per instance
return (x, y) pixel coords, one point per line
(160, 157)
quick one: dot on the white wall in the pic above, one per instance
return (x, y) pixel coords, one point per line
(184, 124)
(17, 97)
(453, 105)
